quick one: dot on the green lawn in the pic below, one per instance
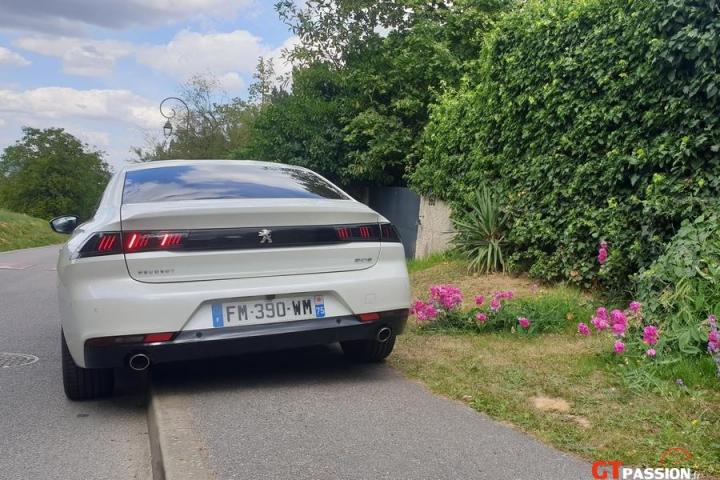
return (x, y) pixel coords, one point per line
(23, 231)
(564, 389)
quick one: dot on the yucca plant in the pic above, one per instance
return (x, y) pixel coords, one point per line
(480, 232)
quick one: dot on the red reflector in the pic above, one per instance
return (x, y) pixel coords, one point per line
(369, 317)
(158, 337)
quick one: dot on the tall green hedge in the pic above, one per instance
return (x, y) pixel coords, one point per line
(598, 120)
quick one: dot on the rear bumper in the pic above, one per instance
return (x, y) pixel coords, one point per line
(97, 298)
(199, 344)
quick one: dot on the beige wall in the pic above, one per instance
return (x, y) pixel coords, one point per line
(435, 230)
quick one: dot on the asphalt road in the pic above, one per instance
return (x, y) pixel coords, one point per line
(301, 414)
(42, 434)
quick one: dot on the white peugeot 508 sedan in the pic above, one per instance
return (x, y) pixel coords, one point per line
(193, 259)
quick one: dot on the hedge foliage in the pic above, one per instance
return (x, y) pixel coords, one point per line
(598, 120)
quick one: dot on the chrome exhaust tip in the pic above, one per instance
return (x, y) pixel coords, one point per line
(384, 334)
(139, 362)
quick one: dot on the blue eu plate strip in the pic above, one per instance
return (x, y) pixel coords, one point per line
(319, 310)
(217, 315)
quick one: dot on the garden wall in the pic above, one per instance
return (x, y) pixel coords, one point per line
(435, 230)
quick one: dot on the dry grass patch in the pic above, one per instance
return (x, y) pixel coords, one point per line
(456, 273)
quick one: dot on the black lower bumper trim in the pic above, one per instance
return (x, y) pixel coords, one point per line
(220, 342)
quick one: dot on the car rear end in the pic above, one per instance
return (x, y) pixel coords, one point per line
(188, 260)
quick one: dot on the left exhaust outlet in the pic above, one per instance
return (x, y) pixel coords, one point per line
(139, 362)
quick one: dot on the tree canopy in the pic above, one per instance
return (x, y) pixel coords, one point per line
(50, 172)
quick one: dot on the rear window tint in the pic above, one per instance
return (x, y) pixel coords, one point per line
(224, 181)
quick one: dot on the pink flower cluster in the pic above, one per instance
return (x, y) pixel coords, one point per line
(583, 329)
(424, 311)
(618, 322)
(494, 305)
(650, 335)
(442, 298)
(600, 320)
(446, 296)
(445, 303)
(602, 252)
(713, 337)
(496, 302)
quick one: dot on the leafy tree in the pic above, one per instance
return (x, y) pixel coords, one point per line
(50, 172)
(386, 60)
(210, 129)
(302, 128)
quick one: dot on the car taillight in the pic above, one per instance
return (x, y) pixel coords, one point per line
(389, 233)
(358, 233)
(111, 243)
(104, 243)
(146, 241)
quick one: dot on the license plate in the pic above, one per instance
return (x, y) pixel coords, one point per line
(279, 309)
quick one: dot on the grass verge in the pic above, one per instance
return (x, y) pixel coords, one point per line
(566, 390)
(18, 230)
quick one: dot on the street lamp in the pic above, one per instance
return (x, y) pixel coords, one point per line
(170, 113)
(167, 129)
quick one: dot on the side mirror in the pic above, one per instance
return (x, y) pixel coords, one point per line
(64, 224)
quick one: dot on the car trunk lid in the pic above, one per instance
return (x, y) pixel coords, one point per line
(242, 238)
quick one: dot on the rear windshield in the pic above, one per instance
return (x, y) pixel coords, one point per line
(224, 181)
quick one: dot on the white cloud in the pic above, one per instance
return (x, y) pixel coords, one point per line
(62, 103)
(231, 82)
(189, 53)
(80, 56)
(96, 139)
(281, 65)
(74, 16)
(228, 56)
(12, 58)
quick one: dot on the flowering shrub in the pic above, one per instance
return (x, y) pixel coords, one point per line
(539, 313)
(602, 253)
(628, 329)
(444, 309)
(682, 286)
(714, 341)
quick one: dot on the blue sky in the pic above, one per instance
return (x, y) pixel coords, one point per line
(100, 68)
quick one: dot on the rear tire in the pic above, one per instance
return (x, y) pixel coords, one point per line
(84, 383)
(368, 351)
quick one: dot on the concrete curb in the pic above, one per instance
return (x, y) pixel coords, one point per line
(177, 452)
(156, 454)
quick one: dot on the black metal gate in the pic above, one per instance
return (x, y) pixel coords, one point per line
(402, 207)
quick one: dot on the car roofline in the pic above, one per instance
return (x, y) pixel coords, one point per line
(169, 163)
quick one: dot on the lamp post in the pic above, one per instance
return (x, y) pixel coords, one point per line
(170, 113)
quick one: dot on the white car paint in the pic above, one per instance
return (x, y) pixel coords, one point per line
(106, 296)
